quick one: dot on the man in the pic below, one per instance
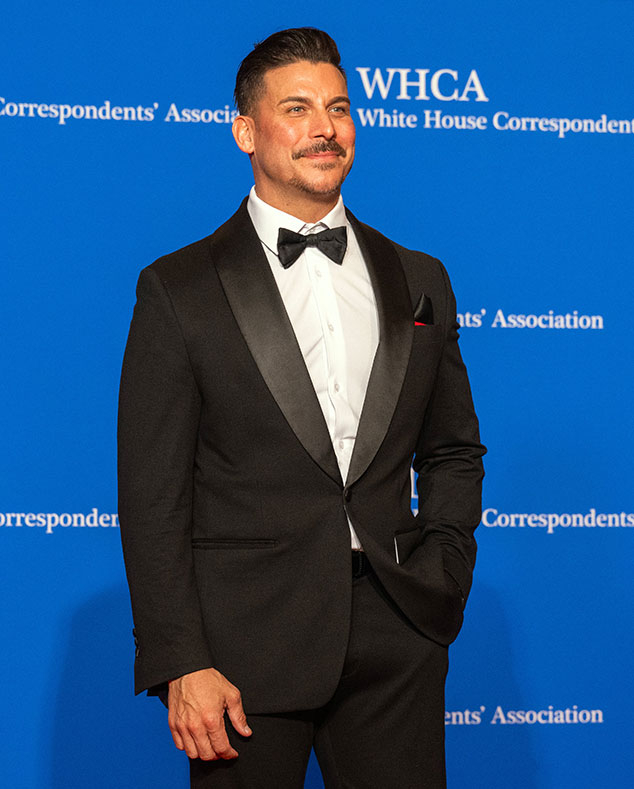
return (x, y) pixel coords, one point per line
(279, 379)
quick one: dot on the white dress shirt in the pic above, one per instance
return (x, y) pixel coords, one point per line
(333, 313)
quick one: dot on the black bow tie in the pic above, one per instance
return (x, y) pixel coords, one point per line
(331, 242)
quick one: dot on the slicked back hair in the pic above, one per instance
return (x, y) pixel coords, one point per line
(281, 49)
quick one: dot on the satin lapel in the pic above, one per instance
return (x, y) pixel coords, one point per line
(259, 311)
(396, 333)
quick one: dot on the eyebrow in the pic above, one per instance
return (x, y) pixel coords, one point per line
(306, 100)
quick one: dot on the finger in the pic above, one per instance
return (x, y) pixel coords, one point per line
(189, 744)
(203, 744)
(236, 713)
(217, 735)
(178, 740)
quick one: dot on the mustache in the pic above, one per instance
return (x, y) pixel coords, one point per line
(331, 146)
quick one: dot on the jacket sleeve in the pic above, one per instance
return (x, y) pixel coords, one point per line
(159, 411)
(448, 460)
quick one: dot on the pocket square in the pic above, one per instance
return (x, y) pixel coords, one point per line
(424, 312)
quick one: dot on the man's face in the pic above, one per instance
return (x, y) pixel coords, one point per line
(300, 136)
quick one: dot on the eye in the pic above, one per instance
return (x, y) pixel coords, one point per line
(339, 109)
(295, 110)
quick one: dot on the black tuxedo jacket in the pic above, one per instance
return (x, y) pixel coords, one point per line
(231, 504)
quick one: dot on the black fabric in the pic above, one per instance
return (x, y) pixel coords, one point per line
(424, 311)
(233, 513)
(360, 564)
(332, 242)
(382, 728)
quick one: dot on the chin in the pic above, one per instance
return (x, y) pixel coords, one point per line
(325, 187)
(320, 191)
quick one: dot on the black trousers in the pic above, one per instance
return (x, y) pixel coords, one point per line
(382, 729)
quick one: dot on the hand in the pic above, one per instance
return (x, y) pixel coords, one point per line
(197, 703)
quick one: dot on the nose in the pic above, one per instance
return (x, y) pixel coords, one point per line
(322, 125)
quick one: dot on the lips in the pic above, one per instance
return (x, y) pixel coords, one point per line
(326, 155)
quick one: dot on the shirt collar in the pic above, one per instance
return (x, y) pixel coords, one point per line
(268, 220)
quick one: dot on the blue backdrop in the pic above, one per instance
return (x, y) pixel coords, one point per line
(496, 136)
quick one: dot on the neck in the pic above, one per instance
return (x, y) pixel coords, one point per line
(307, 207)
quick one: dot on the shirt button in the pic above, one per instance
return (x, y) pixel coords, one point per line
(331, 327)
(341, 444)
(318, 272)
(337, 387)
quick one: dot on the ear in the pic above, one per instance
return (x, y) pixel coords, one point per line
(243, 133)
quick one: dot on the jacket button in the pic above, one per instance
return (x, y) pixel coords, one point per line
(347, 494)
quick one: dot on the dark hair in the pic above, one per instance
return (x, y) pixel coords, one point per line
(281, 49)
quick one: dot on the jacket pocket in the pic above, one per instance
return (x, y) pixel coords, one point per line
(405, 542)
(220, 543)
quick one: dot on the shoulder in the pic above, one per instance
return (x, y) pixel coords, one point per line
(419, 267)
(194, 263)
(184, 263)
